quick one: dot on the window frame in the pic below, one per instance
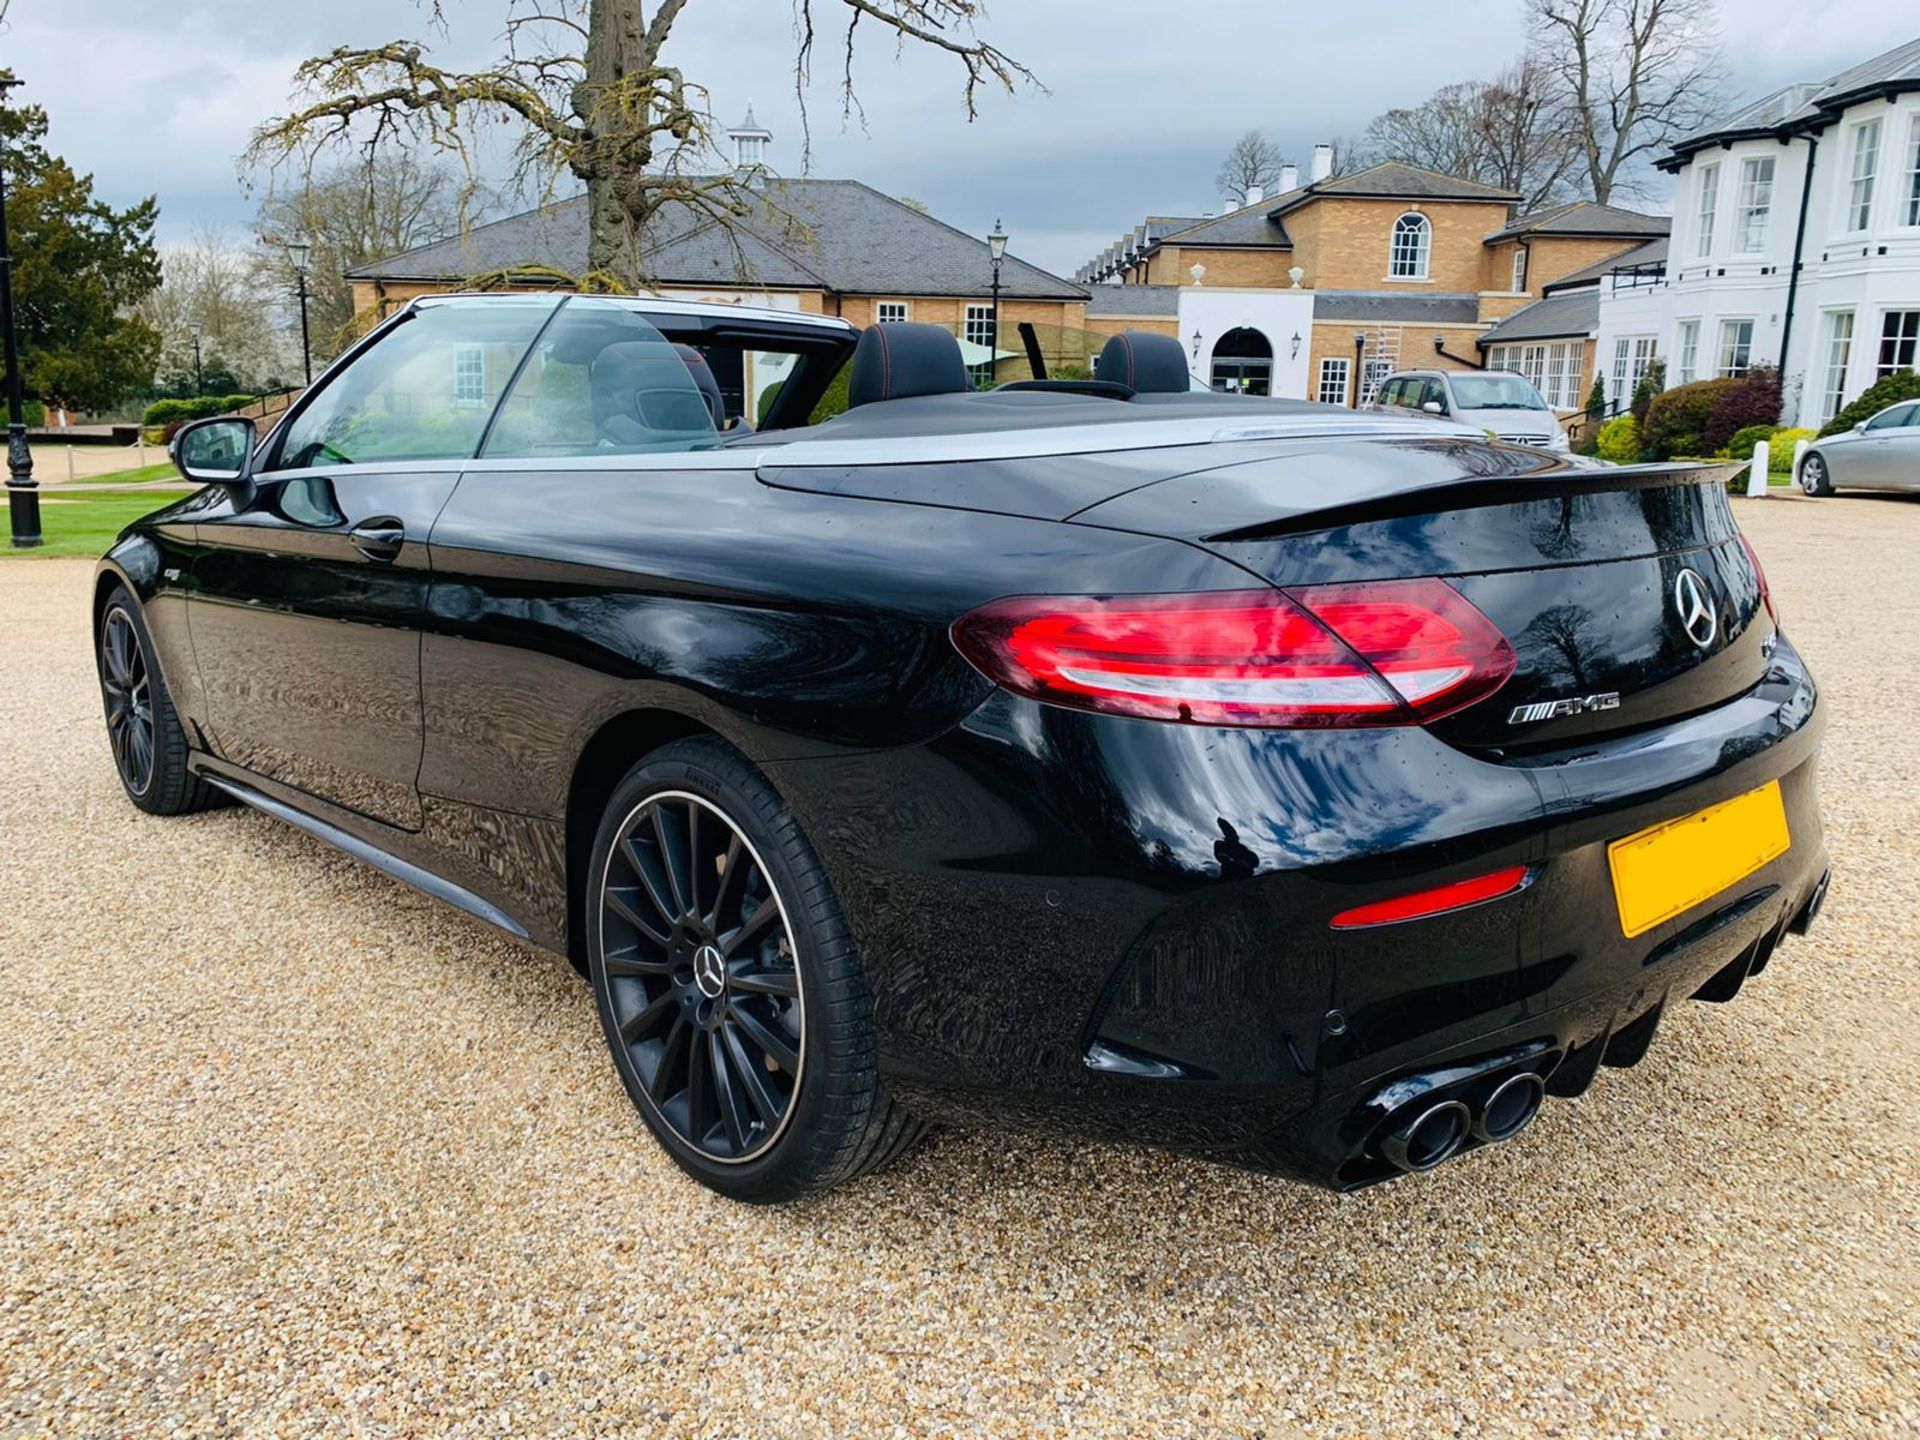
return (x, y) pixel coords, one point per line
(1865, 137)
(1755, 207)
(1344, 365)
(1418, 256)
(1519, 269)
(1707, 211)
(1899, 350)
(1687, 370)
(1839, 352)
(905, 308)
(463, 372)
(1912, 216)
(1735, 355)
(980, 313)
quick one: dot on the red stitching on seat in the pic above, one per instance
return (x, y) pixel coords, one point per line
(886, 362)
(1126, 344)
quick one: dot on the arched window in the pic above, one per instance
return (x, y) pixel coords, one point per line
(1412, 243)
(1243, 362)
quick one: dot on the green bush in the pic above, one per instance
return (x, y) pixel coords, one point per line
(166, 412)
(1676, 422)
(1901, 385)
(1651, 384)
(1619, 440)
(1597, 397)
(1780, 449)
(1740, 447)
(1754, 400)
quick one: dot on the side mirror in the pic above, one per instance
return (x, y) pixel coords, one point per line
(217, 451)
(1433, 407)
(1860, 429)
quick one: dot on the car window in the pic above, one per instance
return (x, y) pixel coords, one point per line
(603, 381)
(1390, 392)
(1435, 394)
(1897, 416)
(423, 392)
(1495, 392)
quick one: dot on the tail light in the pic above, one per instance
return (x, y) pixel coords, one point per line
(1760, 578)
(1394, 652)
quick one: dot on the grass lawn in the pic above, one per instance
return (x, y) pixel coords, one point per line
(82, 524)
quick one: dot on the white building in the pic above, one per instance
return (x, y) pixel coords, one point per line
(1796, 242)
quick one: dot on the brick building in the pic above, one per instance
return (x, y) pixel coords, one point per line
(1324, 288)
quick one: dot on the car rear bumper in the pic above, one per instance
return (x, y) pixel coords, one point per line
(1121, 927)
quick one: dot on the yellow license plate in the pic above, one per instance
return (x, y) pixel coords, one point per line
(1671, 867)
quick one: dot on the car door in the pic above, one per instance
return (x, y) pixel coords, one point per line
(310, 585)
(1873, 457)
(1903, 453)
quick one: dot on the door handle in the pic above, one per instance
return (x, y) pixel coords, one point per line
(379, 539)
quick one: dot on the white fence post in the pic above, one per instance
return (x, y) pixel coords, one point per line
(1757, 475)
(1800, 448)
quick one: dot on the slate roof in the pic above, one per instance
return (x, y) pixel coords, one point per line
(1569, 313)
(807, 234)
(1654, 252)
(1396, 307)
(1806, 107)
(1391, 180)
(1583, 217)
(1253, 225)
(1133, 300)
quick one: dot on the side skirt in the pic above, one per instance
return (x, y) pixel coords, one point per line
(405, 871)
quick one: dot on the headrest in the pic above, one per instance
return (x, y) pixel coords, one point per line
(899, 359)
(1144, 363)
(647, 381)
(703, 378)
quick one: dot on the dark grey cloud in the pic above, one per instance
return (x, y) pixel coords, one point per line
(1141, 98)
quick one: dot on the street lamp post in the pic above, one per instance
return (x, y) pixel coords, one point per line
(996, 251)
(194, 327)
(23, 492)
(300, 252)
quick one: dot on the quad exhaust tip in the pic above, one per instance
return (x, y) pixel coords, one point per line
(1429, 1138)
(1509, 1107)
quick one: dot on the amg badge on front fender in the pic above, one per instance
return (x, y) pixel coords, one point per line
(1555, 709)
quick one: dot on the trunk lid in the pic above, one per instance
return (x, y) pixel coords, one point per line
(1626, 592)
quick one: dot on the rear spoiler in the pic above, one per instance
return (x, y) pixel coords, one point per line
(1578, 476)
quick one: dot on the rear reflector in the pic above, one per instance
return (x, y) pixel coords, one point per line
(1434, 902)
(1760, 579)
(1395, 652)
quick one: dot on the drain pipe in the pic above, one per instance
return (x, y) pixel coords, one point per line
(1793, 276)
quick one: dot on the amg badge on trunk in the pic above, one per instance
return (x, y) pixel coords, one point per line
(1555, 709)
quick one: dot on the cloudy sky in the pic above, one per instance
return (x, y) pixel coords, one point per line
(1142, 96)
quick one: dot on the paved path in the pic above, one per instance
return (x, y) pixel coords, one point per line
(286, 1148)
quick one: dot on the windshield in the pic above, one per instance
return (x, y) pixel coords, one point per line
(1495, 392)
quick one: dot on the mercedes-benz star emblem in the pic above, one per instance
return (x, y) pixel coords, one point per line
(709, 971)
(1694, 608)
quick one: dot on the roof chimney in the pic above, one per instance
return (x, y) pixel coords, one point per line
(1322, 163)
(1289, 177)
(1255, 194)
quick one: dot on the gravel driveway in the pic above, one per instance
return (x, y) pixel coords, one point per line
(286, 1148)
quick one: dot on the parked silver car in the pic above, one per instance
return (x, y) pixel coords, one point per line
(1503, 404)
(1882, 452)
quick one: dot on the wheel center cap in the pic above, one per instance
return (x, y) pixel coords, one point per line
(709, 971)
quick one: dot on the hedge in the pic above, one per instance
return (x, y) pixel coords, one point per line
(1753, 400)
(1676, 421)
(1740, 447)
(1780, 449)
(164, 412)
(1901, 385)
(1619, 440)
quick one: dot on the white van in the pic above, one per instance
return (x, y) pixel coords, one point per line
(1500, 402)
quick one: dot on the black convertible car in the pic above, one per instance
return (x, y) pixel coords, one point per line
(1311, 790)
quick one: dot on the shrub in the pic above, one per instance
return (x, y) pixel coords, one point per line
(1676, 420)
(1651, 384)
(1740, 447)
(1597, 397)
(196, 407)
(1780, 449)
(1619, 440)
(1753, 400)
(1901, 385)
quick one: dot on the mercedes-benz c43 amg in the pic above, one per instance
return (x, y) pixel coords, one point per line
(1311, 790)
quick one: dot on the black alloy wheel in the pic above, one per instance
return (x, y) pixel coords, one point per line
(699, 959)
(128, 691)
(732, 1000)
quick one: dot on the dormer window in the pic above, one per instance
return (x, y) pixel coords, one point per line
(1412, 245)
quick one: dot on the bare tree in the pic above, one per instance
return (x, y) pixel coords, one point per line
(211, 282)
(1506, 133)
(1633, 75)
(354, 212)
(589, 88)
(1253, 161)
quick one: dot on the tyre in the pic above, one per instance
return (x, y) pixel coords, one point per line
(149, 745)
(728, 988)
(1814, 476)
